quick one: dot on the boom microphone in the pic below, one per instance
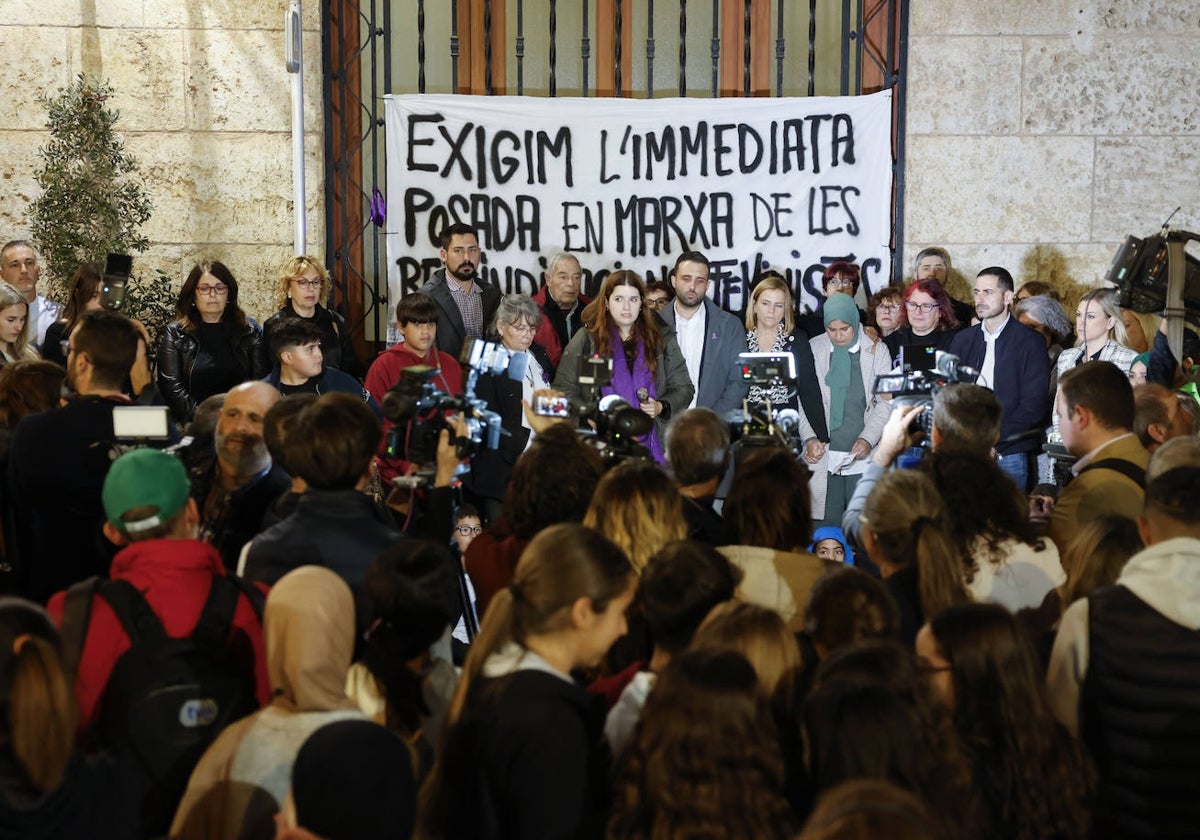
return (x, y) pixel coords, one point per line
(951, 367)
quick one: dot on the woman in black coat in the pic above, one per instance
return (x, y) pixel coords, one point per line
(516, 321)
(212, 346)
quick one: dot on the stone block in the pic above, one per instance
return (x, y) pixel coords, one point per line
(1111, 86)
(39, 65)
(1160, 17)
(236, 81)
(235, 14)
(107, 13)
(1068, 266)
(964, 85)
(998, 189)
(145, 68)
(1012, 17)
(17, 184)
(217, 187)
(1140, 180)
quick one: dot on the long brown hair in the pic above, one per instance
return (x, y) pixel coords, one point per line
(639, 508)
(233, 319)
(645, 328)
(1033, 776)
(906, 514)
(705, 754)
(84, 285)
(37, 709)
(562, 564)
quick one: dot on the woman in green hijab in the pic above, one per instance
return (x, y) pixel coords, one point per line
(847, 362)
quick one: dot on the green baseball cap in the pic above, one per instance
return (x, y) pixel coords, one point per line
(144, 478)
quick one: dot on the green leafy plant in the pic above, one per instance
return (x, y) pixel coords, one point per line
(92, 200)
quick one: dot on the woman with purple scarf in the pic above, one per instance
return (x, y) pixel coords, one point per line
(648, 368)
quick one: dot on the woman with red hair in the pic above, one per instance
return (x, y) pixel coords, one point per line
(926, 318)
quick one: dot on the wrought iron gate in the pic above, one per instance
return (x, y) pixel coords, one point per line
(722, 48)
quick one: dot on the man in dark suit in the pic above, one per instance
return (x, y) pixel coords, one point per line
(709, 337)
(1012, 361)
(466, 302)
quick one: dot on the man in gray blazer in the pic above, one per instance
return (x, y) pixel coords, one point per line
(465, 301)
(709, 337)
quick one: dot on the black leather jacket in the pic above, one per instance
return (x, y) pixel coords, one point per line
(177, 358)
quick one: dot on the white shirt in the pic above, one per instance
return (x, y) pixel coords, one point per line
(689, 332)
(987, 372)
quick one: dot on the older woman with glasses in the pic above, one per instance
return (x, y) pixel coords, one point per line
(516, 320)
(302, 291)
(840, 276)
(926, 319)
(212, 346)
(883, 311)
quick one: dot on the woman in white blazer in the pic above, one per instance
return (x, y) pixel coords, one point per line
(847, 362)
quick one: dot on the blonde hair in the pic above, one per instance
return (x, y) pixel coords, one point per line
(906, 514)
(1107, 298)
(757, 633)
(291, 270)
(768, 282)
(21, 348)
(639, 508)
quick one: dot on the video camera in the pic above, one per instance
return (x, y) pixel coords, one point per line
(420, 410)
(923, 372)
(767, 425)
(615, 425)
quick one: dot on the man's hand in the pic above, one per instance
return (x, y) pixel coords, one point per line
(861, 449)
(538, 422)
(895, 438)
(447, 451)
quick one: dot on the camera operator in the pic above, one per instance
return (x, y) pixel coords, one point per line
(59, 460)
(966, 418)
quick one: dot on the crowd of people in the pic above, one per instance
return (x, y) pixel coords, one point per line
(310, 606)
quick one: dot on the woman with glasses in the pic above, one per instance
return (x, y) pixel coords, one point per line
(212, 345)
(302, 290)
(883, 311)
(658, 294)
(926, 319)
(516, 320)
(770, 328)
(840, 276)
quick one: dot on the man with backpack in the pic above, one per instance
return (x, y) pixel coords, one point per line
(170, 649)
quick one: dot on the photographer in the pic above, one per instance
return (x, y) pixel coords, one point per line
(59, 459)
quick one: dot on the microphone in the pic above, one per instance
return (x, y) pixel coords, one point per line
(951, 367)
(643, 395)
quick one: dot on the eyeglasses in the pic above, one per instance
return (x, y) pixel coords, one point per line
(840, 282)
(308, 284)
(920, 307)
(888, 307)
(212, 291)
(468, 530)
(523, 329)
(657, 303)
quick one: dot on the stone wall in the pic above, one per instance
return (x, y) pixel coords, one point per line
(1040, 133)
(205, 107)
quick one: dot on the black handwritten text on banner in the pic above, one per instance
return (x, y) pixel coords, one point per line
(791, 184)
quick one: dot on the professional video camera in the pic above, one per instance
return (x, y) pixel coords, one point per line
(419, 409)
(615, 425)
(765, 424)
(923, 372)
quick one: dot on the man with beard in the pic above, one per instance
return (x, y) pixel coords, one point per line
(1011, 360)
(561, 304)
(236, 488)
(709, 337)
(19, 268)
(58, 461)
(466, 302)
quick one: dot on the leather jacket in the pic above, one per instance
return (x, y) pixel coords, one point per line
(177, 358)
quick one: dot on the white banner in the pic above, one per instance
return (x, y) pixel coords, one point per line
(792, 184)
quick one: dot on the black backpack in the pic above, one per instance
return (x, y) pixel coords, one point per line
(168, 699)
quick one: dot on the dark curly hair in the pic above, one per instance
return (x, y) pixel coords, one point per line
(553, 481)
(706, 754)
(987, 506)
(1033, 777)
